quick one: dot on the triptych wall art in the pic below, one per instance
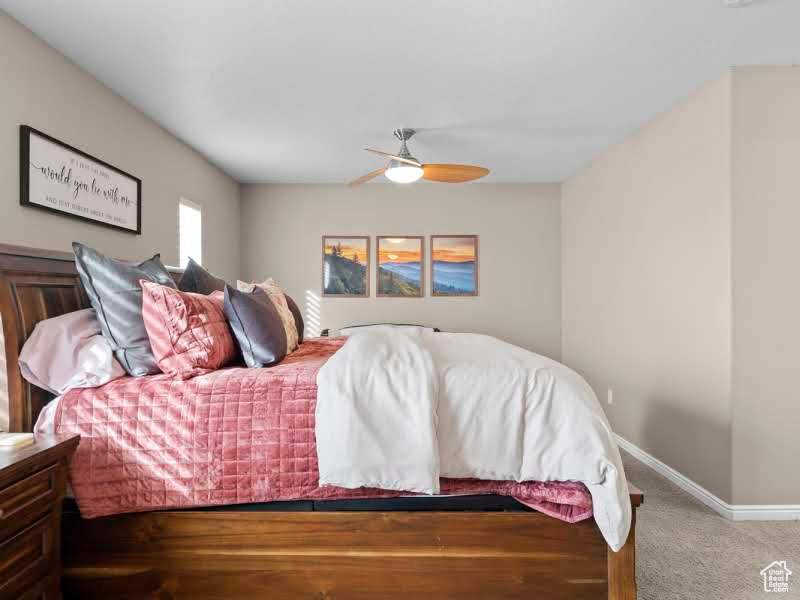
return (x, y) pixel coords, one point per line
(401, 266)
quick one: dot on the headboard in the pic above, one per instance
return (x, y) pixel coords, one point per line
(34, 285)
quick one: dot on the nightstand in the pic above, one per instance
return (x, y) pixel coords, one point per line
(32, 484)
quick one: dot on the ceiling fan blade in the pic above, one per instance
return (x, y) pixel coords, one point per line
(367, 177)
(394, 156)
(445, 173)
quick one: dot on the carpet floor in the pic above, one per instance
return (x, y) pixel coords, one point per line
(686, 551)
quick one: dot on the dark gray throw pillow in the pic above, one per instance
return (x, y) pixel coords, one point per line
(198, 280)
(256, 325)
(298, 317)
(115, 293)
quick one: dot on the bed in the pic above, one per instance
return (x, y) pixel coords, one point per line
(469, 548)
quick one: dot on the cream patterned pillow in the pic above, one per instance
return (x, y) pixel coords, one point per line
(275, 293)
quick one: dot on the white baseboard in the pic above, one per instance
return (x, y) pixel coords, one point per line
(734, 512)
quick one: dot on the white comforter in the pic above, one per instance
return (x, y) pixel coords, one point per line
(400, 409)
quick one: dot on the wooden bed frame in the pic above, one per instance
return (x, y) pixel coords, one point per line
(240, 554)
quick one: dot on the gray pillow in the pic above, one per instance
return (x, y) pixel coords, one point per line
(198, 280)
(298, 317)
(256, 325)
(115, 293)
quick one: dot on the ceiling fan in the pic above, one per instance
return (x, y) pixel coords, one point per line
(404, 168)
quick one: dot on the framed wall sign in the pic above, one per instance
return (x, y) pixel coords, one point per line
(56, 177)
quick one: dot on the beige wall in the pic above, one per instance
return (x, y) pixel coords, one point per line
(519, 228)
(766, 285)
(681, 284)
(41, 88)
(647, 286)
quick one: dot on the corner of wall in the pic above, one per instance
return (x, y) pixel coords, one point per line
(645, 221)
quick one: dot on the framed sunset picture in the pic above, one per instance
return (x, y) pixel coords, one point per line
(345, 266)
(400, 266)
(454, 265)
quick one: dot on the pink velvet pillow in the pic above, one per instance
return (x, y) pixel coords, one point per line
(188, 332)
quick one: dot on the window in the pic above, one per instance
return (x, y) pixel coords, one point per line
(190, 232)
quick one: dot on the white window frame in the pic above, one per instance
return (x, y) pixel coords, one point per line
(182, 201)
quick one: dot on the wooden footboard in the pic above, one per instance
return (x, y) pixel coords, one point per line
(245, 555)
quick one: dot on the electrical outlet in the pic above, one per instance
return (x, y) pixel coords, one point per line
(610, 396)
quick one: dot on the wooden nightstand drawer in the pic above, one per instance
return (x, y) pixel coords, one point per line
(26, 557)
(32, 483)
(28, 498)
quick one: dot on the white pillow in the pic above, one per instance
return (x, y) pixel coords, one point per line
(68, 352)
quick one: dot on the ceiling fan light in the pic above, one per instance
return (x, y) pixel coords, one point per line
(403, 173)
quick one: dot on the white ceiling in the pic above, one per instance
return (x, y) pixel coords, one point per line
(292, 90)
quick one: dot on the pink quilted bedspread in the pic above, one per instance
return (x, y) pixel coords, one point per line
(232, 436)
